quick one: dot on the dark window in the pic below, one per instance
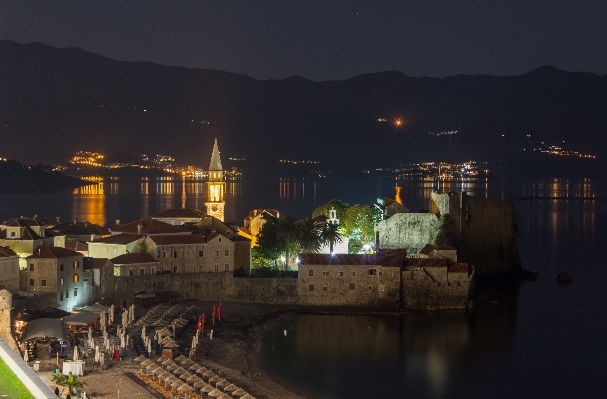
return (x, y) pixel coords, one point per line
(310, 288)
(61, 267)
(200, 254)
(67, 294)
(61, 296)
(31, 267)
(226, 252)
(310, 272)
(381, 274)
(175, 269)
(174, 254)
(31, 281)
(324, 289)
(227, 267)
(141, 272)
(43, 283)
(131, 272)
(216, 268)
(75, 292)
(340, 274)
(216, 252)
(353, 274)
(325, 274)
(352, 286)
(372, 272)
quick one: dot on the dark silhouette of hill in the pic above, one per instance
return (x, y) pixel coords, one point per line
(18, 178)
(57, 101)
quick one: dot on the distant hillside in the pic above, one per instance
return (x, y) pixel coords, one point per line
(18, 178)
(57, 101)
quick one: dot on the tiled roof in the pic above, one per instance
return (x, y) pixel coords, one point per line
(27, 233)
(53, 252)
(181, 213)
(94, 263)
(128, 259)
(427, 250)
(77, 246)
(80, 228)
(21, 222)
(256, 212)
(215, 158)
(121, 239)
(149, 226)
(178, 239)
(7, 252)
(47, 221)
(392, 257)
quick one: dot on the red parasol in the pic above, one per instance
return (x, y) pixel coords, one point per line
(219, 311)
(202, 322)
(213, 314)
(199, 323)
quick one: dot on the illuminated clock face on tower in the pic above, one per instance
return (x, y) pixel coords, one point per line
(214, 208)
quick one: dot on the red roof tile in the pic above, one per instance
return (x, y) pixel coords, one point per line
(178, 239)
(77, 246)
(53, 252)
(181, 213)
(7, 252)
(149, 226)
(121, 239)
(94, 263)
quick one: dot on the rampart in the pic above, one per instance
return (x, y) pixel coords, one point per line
(429, 289)
(408, 230)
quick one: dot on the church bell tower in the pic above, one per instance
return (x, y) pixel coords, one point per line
(215, 186)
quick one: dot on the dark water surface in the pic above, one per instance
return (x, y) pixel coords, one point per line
(533, 340)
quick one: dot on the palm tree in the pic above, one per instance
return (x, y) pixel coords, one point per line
(71, 382)
(330, 234)
(309, 235)
(286, 229)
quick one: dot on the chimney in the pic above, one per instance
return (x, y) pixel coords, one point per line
(35, 216)
(117, 222)
(57, 218)
(86, 223)
(75, 220)
(139, 228)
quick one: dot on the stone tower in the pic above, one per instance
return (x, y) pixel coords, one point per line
(215, 186)
(6, 304)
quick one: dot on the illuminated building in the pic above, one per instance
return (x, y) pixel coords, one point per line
(216, 186)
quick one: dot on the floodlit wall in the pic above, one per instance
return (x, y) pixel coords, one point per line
(408, 230)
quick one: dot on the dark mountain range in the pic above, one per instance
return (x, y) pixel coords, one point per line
(54, 102)
(18, 178)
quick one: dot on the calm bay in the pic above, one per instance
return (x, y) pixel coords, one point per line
(529, 339)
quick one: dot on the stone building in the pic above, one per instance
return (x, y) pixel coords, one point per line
(438, 252)
(79, 231)
(390, 207)
(482, 230)
(120, 244)
(437, 283)
(23, 235)
(253, 223)
(351, 280)
(102, 271)
(61, 271)
(9, 270)
(179, 216)
(136, 264)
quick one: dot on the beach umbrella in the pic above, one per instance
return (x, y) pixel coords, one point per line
(200, 385)
(193, 379)
(90, 334)
(206, 389)
(225, 396)
(185, 376)
(174, 334)
(247, 396)
(102, 319)
(158, 370)
(213, 314)
(125, 319)
(111, 315)
(230, 388)
(195, 367)
(149, 346)
(76, 357)
(97, 353)
(219, 312)
(222, 384)
(140, 359)
(239, 393)
(215, 393)
(215, 380)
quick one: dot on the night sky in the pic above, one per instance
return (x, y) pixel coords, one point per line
(324, 40)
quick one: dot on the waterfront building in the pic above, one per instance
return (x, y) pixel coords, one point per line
(9, 270)
(215, 186)
(149, 227)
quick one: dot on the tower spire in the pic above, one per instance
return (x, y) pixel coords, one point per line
(215, 159)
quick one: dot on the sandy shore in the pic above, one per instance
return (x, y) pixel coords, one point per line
(231, 354)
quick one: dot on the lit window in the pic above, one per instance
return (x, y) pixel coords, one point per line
(310, 272)
(76, 278)
(75, 264)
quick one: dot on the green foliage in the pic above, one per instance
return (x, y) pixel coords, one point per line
(331, 235)
(308, 235)
(286, 229)
(10, 385)
(71, 382)
(339, 206)
(359, 223)
(143, 247)
(269, 247)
